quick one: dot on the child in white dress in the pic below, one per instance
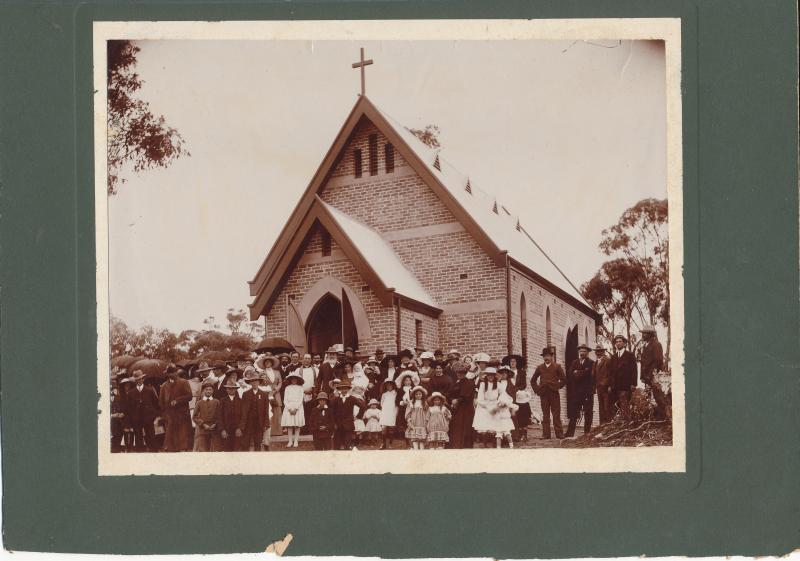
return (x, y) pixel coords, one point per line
(486, 403)
(372, 417)
(503, 423)
(293, 416)
(388, 418)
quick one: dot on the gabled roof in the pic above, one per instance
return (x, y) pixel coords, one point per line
(372, 256)
(496, 233)
(380, 256)
(502, 227)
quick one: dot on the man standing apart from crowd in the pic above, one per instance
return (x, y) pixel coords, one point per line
(623, 375)
(547, 380)
(653, 362)
(580, 391)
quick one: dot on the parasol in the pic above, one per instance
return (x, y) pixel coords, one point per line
(151, 367)
(274, 345)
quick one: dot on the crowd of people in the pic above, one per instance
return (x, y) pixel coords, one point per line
(345, 399)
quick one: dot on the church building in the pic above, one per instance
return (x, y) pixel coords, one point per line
(391, 247)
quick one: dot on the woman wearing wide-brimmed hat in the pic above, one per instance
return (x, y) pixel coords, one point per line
(268, 366)
(522, 396)
(462, 404)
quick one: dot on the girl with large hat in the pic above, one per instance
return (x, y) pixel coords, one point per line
(417, 418)
(406, 381)
(486, 403)
(388, 418)
(293, 416)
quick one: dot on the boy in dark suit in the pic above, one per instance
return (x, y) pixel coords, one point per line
(321, 423)
(344, 416)
(580, 391)
(230, 415)
(254, 417)
(206, 419)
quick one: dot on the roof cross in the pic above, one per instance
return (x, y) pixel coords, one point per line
(361, 64)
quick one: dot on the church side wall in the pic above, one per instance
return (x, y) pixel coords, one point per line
(382, 319)
(563, 316)
(473, 332)
(408, 330)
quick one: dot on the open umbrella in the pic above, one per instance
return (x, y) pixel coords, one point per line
(124, 361)
(274, 345)
(151, 367)
(187, 362)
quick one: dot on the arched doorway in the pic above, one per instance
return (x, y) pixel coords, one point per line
(324, 324)
(571, 346)
(331, 322)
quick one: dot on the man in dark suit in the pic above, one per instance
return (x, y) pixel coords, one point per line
(141, 409)
(344, 414)
(254, 416)
(230, 415)
(652, 362)
(623, 375)
(547, 380)
(580, 391)
(173, 398)
(602, 381)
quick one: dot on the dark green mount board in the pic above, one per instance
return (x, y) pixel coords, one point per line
(741, 491)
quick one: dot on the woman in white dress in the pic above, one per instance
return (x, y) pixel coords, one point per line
(486, 403)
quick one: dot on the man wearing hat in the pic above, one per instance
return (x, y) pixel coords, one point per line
(547, 380)
(255, 417)
(653, 362)
(580, 391)
(623, 375)
(230, 414)
(141, 410)
(602, 381)
(345, 408)
(174, 397)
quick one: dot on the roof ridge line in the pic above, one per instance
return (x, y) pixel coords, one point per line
(553, 263)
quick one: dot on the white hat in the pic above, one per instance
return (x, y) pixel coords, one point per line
(426, 354)
(481, 357)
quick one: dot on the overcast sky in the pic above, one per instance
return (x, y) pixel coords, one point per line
(567, 135)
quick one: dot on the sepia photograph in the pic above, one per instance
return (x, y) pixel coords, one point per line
(389, 247)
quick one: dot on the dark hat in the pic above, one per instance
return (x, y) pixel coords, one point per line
(547, 351)
(379, 351)
(348, 349)
(519, 358)
(648, 329)
(343, 385)
(321, 395)
(620, 336)
(504, 368)
(438, 352)
(170, 369)
(231, 384)
(406, 353)
(585, 346)
(140, 376)
(599, 348)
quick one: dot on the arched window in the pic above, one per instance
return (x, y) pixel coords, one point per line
(548, 328)
(586, 335)
(523, 326)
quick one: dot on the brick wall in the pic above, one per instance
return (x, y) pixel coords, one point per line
(562, 315)
(408, 331)
(475, 332)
